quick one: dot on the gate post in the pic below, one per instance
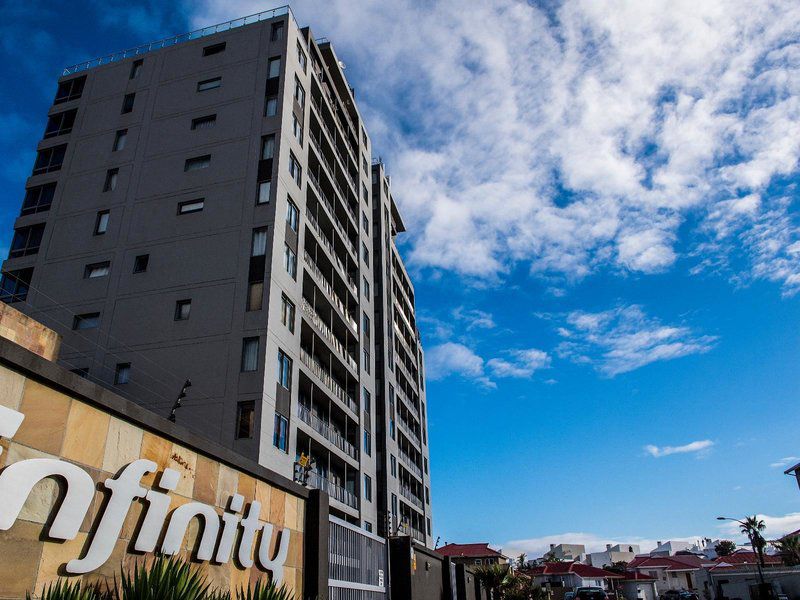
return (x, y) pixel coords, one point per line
(316, 533)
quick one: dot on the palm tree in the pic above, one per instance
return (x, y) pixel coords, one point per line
(752, 528)
(789, 547)
(492, 578)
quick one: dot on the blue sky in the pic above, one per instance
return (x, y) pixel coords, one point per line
(603, 231)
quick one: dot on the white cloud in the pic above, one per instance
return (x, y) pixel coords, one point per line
(786, 461)
(521, 363)
(474, 318)
(625, 338)
(776, 527)
(452, 358)
(699, 447)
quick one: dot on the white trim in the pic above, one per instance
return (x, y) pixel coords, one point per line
(349, 585)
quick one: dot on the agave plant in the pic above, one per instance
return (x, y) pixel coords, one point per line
(66, 590)
(264, 591)
(164, 579)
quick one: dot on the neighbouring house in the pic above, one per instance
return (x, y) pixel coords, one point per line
(638, 586)
(736, 576)
(565, 552)
(613, 554)
(672, 547)
(571, 575)
(473, 554)
(671, 572)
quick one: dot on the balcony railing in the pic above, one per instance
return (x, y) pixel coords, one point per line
(334, 217)
(406, 493)
(409, 462)
(326, 431)
(405, 428)
(406, 400)
(326, 285)
(334, 256)
(326, 378)
(328, 334)
(335, 491)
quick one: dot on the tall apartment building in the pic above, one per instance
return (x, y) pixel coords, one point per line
(205, 208)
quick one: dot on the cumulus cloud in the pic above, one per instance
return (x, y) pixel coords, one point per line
(474, 318)
(785, 462)
(452, 358)
(776, 526)
(581, 135)
(520, 363)
(699, 447)
(624, 338)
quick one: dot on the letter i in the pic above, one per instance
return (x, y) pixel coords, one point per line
(230, 521)
(156, 512)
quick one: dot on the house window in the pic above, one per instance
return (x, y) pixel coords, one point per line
(26, 240)
(301, 57)
(101, 222)
(214, 49)
(127, 103)
(249, 354)
(366, 287)
(60, 123)
(366, 399)
(38, 199)
(271, 106)
(255, 294)
(280, 438)
(264, 189)
(190, 206)
(393, 465)
(277, 32)
(290, 261)
(136, 67)
(209, 84)
(198, 162)
(365, 354)
(365, 253)
(86, 321)
(267, 146)
(259, 243)
(367, 443)
(284, 370)
(110, 183)
(119, 140)
(206, 122)
(122, 374)
(245, 419)
(366, 326)
(295, 170)
(299, 92)
(274, 67)
(287, 313)
(297, 129)
(182, 310)
(70, 90)
(367, 488)
(14, 285)
(49, 159)
(292, 215)
(140, 263)
(365, 222)
(96, 270)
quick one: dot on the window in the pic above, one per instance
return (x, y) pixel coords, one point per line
(86, 321)
(206, 122)
(366, 325)
(425, 463)
(301, 57)
(49, 159)
(60, 123)
(364, 194)
(259, 244)
(190, 206)
(366, 399)
(136, 68)
(394, 506)
(297, 129)
(14, 285)
(182, 310)
(393, 465)
(267, 146)
(284, 370)
(365, 356)
(295, 170)
(111, 180)
(367, 488)
(368, 526)
(209, 84)
(81, 372)
(26, 240)
(255, 294)
(427, 495)
(140, 263)
(367, 443)
(245, 419)
(249, 355)
(365, 253)
(119, 140)
(287, 313)
(38, 199)
(264, 188)
(364, 163)
(277, 32)
(196, 163)
(271, 107)
(429, 525)
(299, 92)
(292, 214)
(96, 270)
(122, 375)
(127, 103)
(365, 283)
(280, 439)
(274, 67)
(290, 261)
(365, 222)
(214, 49)
(70, 90)
(101, 222)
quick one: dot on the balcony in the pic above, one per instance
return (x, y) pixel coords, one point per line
(333, 490)
(326, 431)
(319, 371)
(326, 286)
(332, 169)
(406, 493)
(328, 335)
(334, 218)
(331, 178)
(410, 464)
(408, 431)
(326, 243)
(407, 401)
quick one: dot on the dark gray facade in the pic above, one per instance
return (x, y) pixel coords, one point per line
(204, 209)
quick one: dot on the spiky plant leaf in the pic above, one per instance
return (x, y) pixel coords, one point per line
(164, 579)
(264, 591)
(66, 590)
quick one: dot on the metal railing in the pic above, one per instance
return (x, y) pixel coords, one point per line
(406, 493)
(178, 39)
(409, 462)
(333, 216)
(326, 285)
(326, 332)
(326, 378)
(327, 431)
(357, 563)
(333, 490)
(410, 433)
(334, 256)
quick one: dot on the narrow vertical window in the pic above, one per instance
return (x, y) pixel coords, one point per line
(249, 354)
(140, 263)
(101, 222)
(127, 103)
(111, 180)
(245, 419)
(136, 68)
(271, 106)
(277, 32)
(290, 261)
(301, 57)
(292, 215)
(119, 140)
(299, 92)
(280, 438)
(295, 170)
(367, 443)
(284, 370)
(274, 67)
(255, 295)
(264, 190)
(122, 374)
(367, 488)
(267, 146)
(259, 242)
(287, 313)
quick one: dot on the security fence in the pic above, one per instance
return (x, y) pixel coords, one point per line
(357, 563)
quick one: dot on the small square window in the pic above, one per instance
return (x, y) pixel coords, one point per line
(209, 84)
(101, 222)
(140, 263)
(97, 270)
(277, 32)
(268, 146)
(191, 206)
(122, 375)
(271, 107)
(245, 419)
(274, 67)
(214, 49)
(127, 103)
(197, 163)
(287, 313)
(119, 140)
(182, 310)
(111, 180)
(206, 122)
(136, 68)
(301, 57)
(255, 295)
(86, 321)
(264, 188)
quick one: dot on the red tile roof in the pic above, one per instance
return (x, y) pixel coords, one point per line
(743, 557)
(469, 550)
(579, 569)
(679, 562)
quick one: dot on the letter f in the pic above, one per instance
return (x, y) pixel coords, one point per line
(124, 490)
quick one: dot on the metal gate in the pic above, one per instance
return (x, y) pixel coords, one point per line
(357, 563)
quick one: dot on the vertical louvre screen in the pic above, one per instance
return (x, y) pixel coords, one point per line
(356, 559)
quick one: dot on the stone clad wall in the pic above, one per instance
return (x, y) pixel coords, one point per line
(28, 333)
(58, 425)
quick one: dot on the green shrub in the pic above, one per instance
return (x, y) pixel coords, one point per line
(164, 579)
